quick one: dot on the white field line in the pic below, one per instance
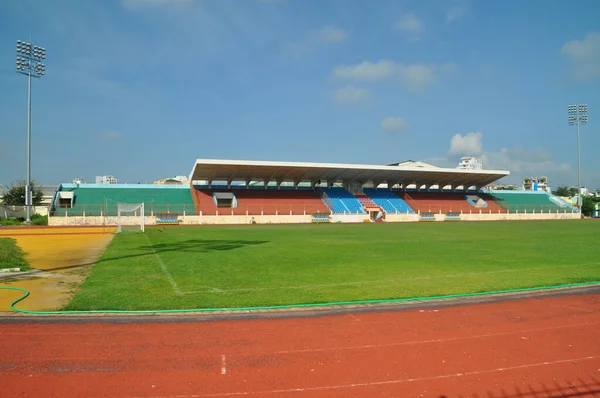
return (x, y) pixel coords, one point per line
(255, 289)
(388, 382)
(164, 269)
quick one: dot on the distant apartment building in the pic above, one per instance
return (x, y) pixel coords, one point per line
(106, 180)
(536, 184)
(470, 163)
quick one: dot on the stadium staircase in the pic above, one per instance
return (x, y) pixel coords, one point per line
(388, 201)
(341, 201)
(365, 201)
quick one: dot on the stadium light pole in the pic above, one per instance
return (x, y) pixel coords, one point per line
(29, 63)
(578, 116)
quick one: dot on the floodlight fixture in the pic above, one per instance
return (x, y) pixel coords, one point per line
(578, 116)
(28, 63)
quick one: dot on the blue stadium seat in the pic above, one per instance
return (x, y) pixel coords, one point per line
(340, 201)
(389, 201)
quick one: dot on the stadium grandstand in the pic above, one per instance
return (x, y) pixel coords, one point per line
(238, 192)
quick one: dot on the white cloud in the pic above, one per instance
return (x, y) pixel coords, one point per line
(410, 25)
(109, 136)
(327, 35)
(584, 56)
(455, 13)
(524, 162)
(393, 124)
(468, 144)
(415, 77)
(521, 162)
(350, 95)
(366, 70)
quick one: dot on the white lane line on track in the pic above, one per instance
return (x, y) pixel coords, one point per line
(361, 346)
(442, 340)
(353, 283)
(164, 269)
(383, 382)
(223, 365)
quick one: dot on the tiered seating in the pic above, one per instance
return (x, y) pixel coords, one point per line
(340, 201)
(528, 202)
(364, 200)
(389, 201)
(93, 199)
(446, 202)
(261, 201)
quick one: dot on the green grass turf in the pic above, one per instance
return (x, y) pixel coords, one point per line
(254, 265)
(11, 255)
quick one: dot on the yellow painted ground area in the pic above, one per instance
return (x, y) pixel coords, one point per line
(67, 254)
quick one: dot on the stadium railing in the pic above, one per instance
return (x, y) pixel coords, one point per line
(153, 209)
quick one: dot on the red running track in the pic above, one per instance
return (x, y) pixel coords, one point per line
(544, 347)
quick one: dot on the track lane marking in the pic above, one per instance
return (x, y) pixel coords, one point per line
(379, 383)
(416, 342)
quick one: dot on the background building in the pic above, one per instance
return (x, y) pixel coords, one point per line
(470, 163)
(536, 184)
(106, 180)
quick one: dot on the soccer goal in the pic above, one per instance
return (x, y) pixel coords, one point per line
(130, 217)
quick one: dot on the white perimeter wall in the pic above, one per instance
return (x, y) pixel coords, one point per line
(229, 220)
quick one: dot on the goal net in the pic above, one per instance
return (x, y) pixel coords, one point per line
(130, 217)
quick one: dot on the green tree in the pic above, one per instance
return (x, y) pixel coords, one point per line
(588, 205)
(15, 194)
(562, 191)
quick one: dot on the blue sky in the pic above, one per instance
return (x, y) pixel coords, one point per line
(141, 88)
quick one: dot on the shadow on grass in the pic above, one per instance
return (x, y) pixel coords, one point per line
(203, 245)
(190, 246)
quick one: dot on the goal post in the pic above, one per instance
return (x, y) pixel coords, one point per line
(130, 217)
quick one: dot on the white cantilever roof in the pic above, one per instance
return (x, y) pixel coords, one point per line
(405, 173)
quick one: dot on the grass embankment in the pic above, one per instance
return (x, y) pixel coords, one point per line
(238, 266)
(11, 255)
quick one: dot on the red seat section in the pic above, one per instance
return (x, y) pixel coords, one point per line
(446, 202)
(365, 200)
(257, 202)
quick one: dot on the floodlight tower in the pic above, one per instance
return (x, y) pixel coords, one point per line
(29, 63)
(578, 116)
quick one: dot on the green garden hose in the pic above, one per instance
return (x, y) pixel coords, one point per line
(288, 306)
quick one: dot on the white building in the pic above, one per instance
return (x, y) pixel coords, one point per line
(106, 180)
(470, 163)
(536, 184)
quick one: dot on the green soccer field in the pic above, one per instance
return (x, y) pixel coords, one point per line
(262, 265)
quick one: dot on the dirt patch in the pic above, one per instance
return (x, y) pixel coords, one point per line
(64, 257)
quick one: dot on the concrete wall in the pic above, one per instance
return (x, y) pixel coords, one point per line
(229, 220)
(232, 220)
(19, 211)
(401, 218)
(520, 217)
